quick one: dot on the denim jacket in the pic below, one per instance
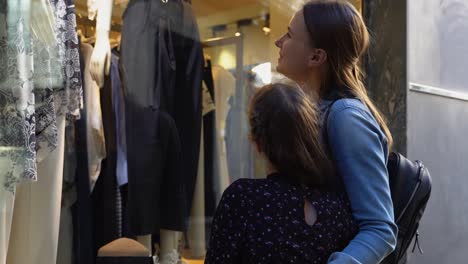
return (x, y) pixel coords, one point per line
(360, 152)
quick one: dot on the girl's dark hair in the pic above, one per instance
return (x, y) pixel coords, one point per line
(337, 27)
(284, 124)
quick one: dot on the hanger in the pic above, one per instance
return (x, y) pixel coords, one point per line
(115, 42)
(89, 40)
(84, 39)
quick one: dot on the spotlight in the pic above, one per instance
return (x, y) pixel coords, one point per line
(242, 23)
(238, 32)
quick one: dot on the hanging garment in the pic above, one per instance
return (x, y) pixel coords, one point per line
(17, 123)
(119, 110)
(33, 97)
(121, 146)
(28, 129)
(6, 218)
(36, 217)
(162, 65)
(224, 89)
(83, 242)
(65, 240)
(92, 9)
(96, 143)
(37, 85)
(106, 226)
(69, 196)
(196, 234)
(83, 249)
(211, 162)
(239, 149)
(82, 211)
(71, 94)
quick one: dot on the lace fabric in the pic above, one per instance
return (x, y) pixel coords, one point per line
(37, 83)
(17, 99)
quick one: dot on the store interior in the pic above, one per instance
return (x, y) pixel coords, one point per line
(103, 193)
(238, 40)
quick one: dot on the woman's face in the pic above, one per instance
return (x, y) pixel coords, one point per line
(295, 50)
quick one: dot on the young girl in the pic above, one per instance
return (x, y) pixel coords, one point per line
(294, 215)
(322, 51)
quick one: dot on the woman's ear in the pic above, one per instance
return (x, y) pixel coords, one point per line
(317, 58)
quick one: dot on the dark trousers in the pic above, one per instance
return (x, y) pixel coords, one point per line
(211, 169)
(104, 196)
(83, 246)
(162, 64)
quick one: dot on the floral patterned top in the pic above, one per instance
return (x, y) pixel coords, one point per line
(37, 83)
(263, 221)
(68, 46)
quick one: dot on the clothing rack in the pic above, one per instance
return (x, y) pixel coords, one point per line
(238, 105)
(238, 41)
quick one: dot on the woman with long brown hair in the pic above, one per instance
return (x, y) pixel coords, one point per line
(295, 215)
(322, 51)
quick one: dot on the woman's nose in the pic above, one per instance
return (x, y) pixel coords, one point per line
(278, 43)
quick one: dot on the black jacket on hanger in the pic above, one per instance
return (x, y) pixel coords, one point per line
(162, 64)
(209, 139)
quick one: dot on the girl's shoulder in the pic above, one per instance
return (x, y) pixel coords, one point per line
(344, 104)
(245, 188)
(262, 189)
(350, 119)
(346, 112)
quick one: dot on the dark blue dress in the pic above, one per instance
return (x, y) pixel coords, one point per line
(263, 221)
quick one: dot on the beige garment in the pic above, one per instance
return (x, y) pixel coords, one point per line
(36, 216)
(196, 229)
(224, 86)
(6, 216)
(92, 9)
(94, 127)
(207, 100)
(65, 247)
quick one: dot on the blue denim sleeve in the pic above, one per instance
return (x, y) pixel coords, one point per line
(359, 149)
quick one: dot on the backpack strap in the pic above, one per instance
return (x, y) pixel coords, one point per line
(334, 95)
(325, 120)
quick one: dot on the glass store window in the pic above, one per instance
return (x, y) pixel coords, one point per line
(141, 124)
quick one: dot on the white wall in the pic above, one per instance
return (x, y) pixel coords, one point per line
(438, 126)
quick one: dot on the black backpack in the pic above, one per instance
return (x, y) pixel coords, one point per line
(410, 187)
